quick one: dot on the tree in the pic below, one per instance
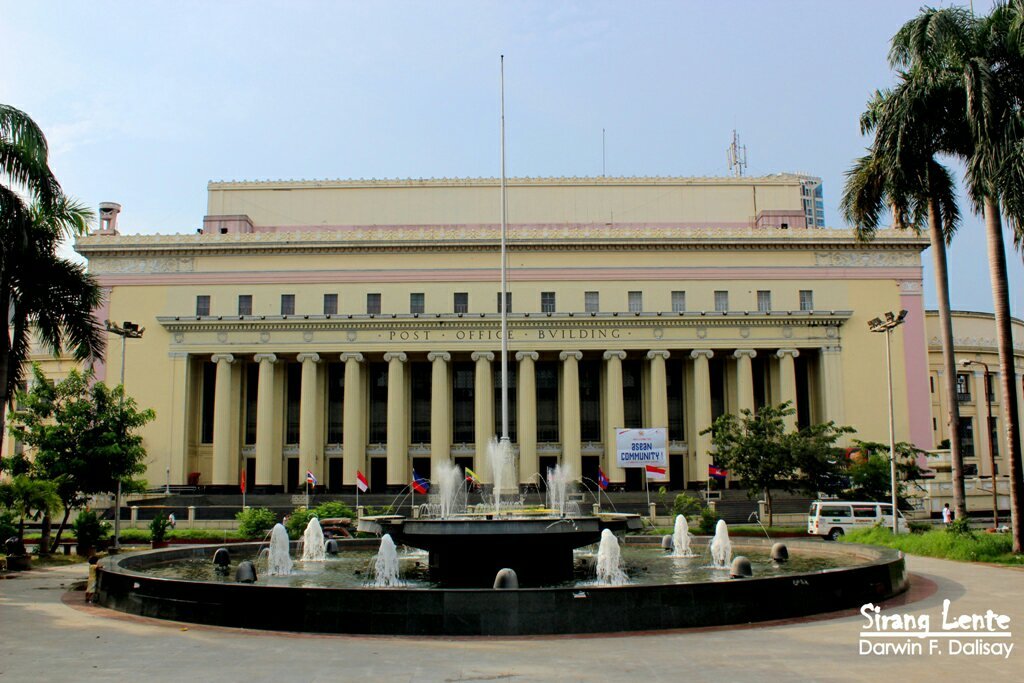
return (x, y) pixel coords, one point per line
(762, 456)
(984, 57)
(31, 498)
(912, 123)
(84, 436)
(39, 291)
(869, 473)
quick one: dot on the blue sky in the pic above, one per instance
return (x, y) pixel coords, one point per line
(143, 103)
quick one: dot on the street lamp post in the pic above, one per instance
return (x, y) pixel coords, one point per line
(125, 331)
(991, 446)
(890, 323)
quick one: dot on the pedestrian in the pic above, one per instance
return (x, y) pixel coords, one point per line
(947, 514)
(171, 522)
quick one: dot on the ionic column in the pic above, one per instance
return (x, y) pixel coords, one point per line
(701, 411)
(832, 384)
(744, 379)
(570, 432)
(787, 380)
(266, 450)
(981, 410)
(398, 448)
(526, 427)
(224, 462)
(353, 442)
(659, 389)
(616, 412)
(483, 410)
(440, 417)
(180, 392)
(311, 442)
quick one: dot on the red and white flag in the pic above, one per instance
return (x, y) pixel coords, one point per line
(361, 482)
(655, 473)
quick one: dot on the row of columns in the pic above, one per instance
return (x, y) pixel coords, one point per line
(268, 460)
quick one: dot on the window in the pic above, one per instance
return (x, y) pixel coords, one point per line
(931, 383)
(373, 303)
(508, 302)
(993, 435)
(963, 387)
(287, 304)
(202, 305)
(330, 304)
(293, 397)
(208, 397)
(591, 302)
(806, 300)
(547, 302)
(967, 437)
(989, 388)
(835, 511)
(245, 304)
(764, 301)
(865, 511)
(721, 301)
(462, 302)
(636, 302)
(416, 302)
(678, 302)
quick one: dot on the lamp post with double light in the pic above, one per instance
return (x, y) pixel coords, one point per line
(126, 330)
(891, 322)
(991, 446)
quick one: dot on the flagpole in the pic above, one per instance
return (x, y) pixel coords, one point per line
(307, 491)
(504, 274)
(647, 489)
(357, 493)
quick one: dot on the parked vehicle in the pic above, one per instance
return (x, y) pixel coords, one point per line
(833, 518)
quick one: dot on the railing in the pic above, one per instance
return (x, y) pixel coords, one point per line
(963, 398)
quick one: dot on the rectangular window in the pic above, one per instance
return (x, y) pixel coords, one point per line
(209, 391)
(202, 305)
(416, 302)
(461, 302)
(591, 302)
(764, 300)
(335, 402)
(590, 400)
(721, 301)
(378, 409)
(463, 407)
(252, 385)
(988, 387)
(963, 387)
(373, 303)
(293, 395)
(508, 302)
(931, 384)
(547, 302)
(547, 401)
(967, 437)
(806, 300)
(993, 435)
(419, 397)
(635, 302)
(512, 435)
(287, 304)
(330, 304)
(678, 302)
(245, 304)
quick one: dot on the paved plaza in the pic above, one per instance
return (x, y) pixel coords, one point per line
(48, 634)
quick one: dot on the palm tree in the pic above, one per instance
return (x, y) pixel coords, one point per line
(986, 59)
(901, 172)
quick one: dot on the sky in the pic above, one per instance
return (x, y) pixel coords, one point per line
(143, 103)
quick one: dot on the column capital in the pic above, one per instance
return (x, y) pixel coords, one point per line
(226, 357)
(566, 355)
(782, 353)
(312, 357)
(651, 355)
(835, 348)
(617, 353)
(357, 357)
(443, 356)
(523, 355)
(395, 355)
(268, 357)
(740, 353)
(702, 353)
(482, 355)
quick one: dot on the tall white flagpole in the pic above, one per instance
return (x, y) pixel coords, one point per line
(504, 274)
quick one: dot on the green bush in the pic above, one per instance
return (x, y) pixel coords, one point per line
(333, 509)
(297, 521)
(374, 511)
(8, 525)
(940, 543)
(255, 522)
(960, 527)
(685, 505)
(920, 527)
(158, 528)
(204, 534)
(708, 521)
(89, 530)
(135, 536)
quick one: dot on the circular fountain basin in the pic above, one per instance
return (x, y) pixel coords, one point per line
(865, 574)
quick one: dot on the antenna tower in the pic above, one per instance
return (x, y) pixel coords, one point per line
(737, 156)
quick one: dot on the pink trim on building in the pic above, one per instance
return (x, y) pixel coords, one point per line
(102, 313)
(915, 363)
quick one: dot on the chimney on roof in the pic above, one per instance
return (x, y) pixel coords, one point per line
(108, 218)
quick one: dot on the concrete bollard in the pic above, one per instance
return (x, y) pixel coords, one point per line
(191, 516)
(134, 515)
(652, 510)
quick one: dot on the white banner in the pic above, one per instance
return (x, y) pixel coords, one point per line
(641, 447)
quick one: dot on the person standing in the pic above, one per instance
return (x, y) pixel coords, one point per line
(947, 514)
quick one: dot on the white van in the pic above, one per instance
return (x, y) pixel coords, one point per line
(833, 518)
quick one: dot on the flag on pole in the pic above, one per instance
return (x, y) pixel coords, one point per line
(656, 473)
(361, 482)
(241, 484)
(717, 473)
(602, 479)
(310, 479)
(419, 484)
(471, 477)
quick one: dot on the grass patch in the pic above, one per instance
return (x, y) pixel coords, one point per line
(966, 547)
(738, 529)
(212, 535)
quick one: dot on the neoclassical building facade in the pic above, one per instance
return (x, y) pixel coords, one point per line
(344, 326)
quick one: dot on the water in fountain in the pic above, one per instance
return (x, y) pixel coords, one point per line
(560, 484)
(721, 546)
(385, 567)
(449, 498)
(609, 561)
(279, 559)
(681, 538)
(503, 471)
(314, 549)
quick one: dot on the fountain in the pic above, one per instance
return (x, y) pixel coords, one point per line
(503, 473)
(721, 546)
(609, 561)
(385, 567)
(560, 483)
(449, 497)
(681, 538)
(313, 547)
(279, 559)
